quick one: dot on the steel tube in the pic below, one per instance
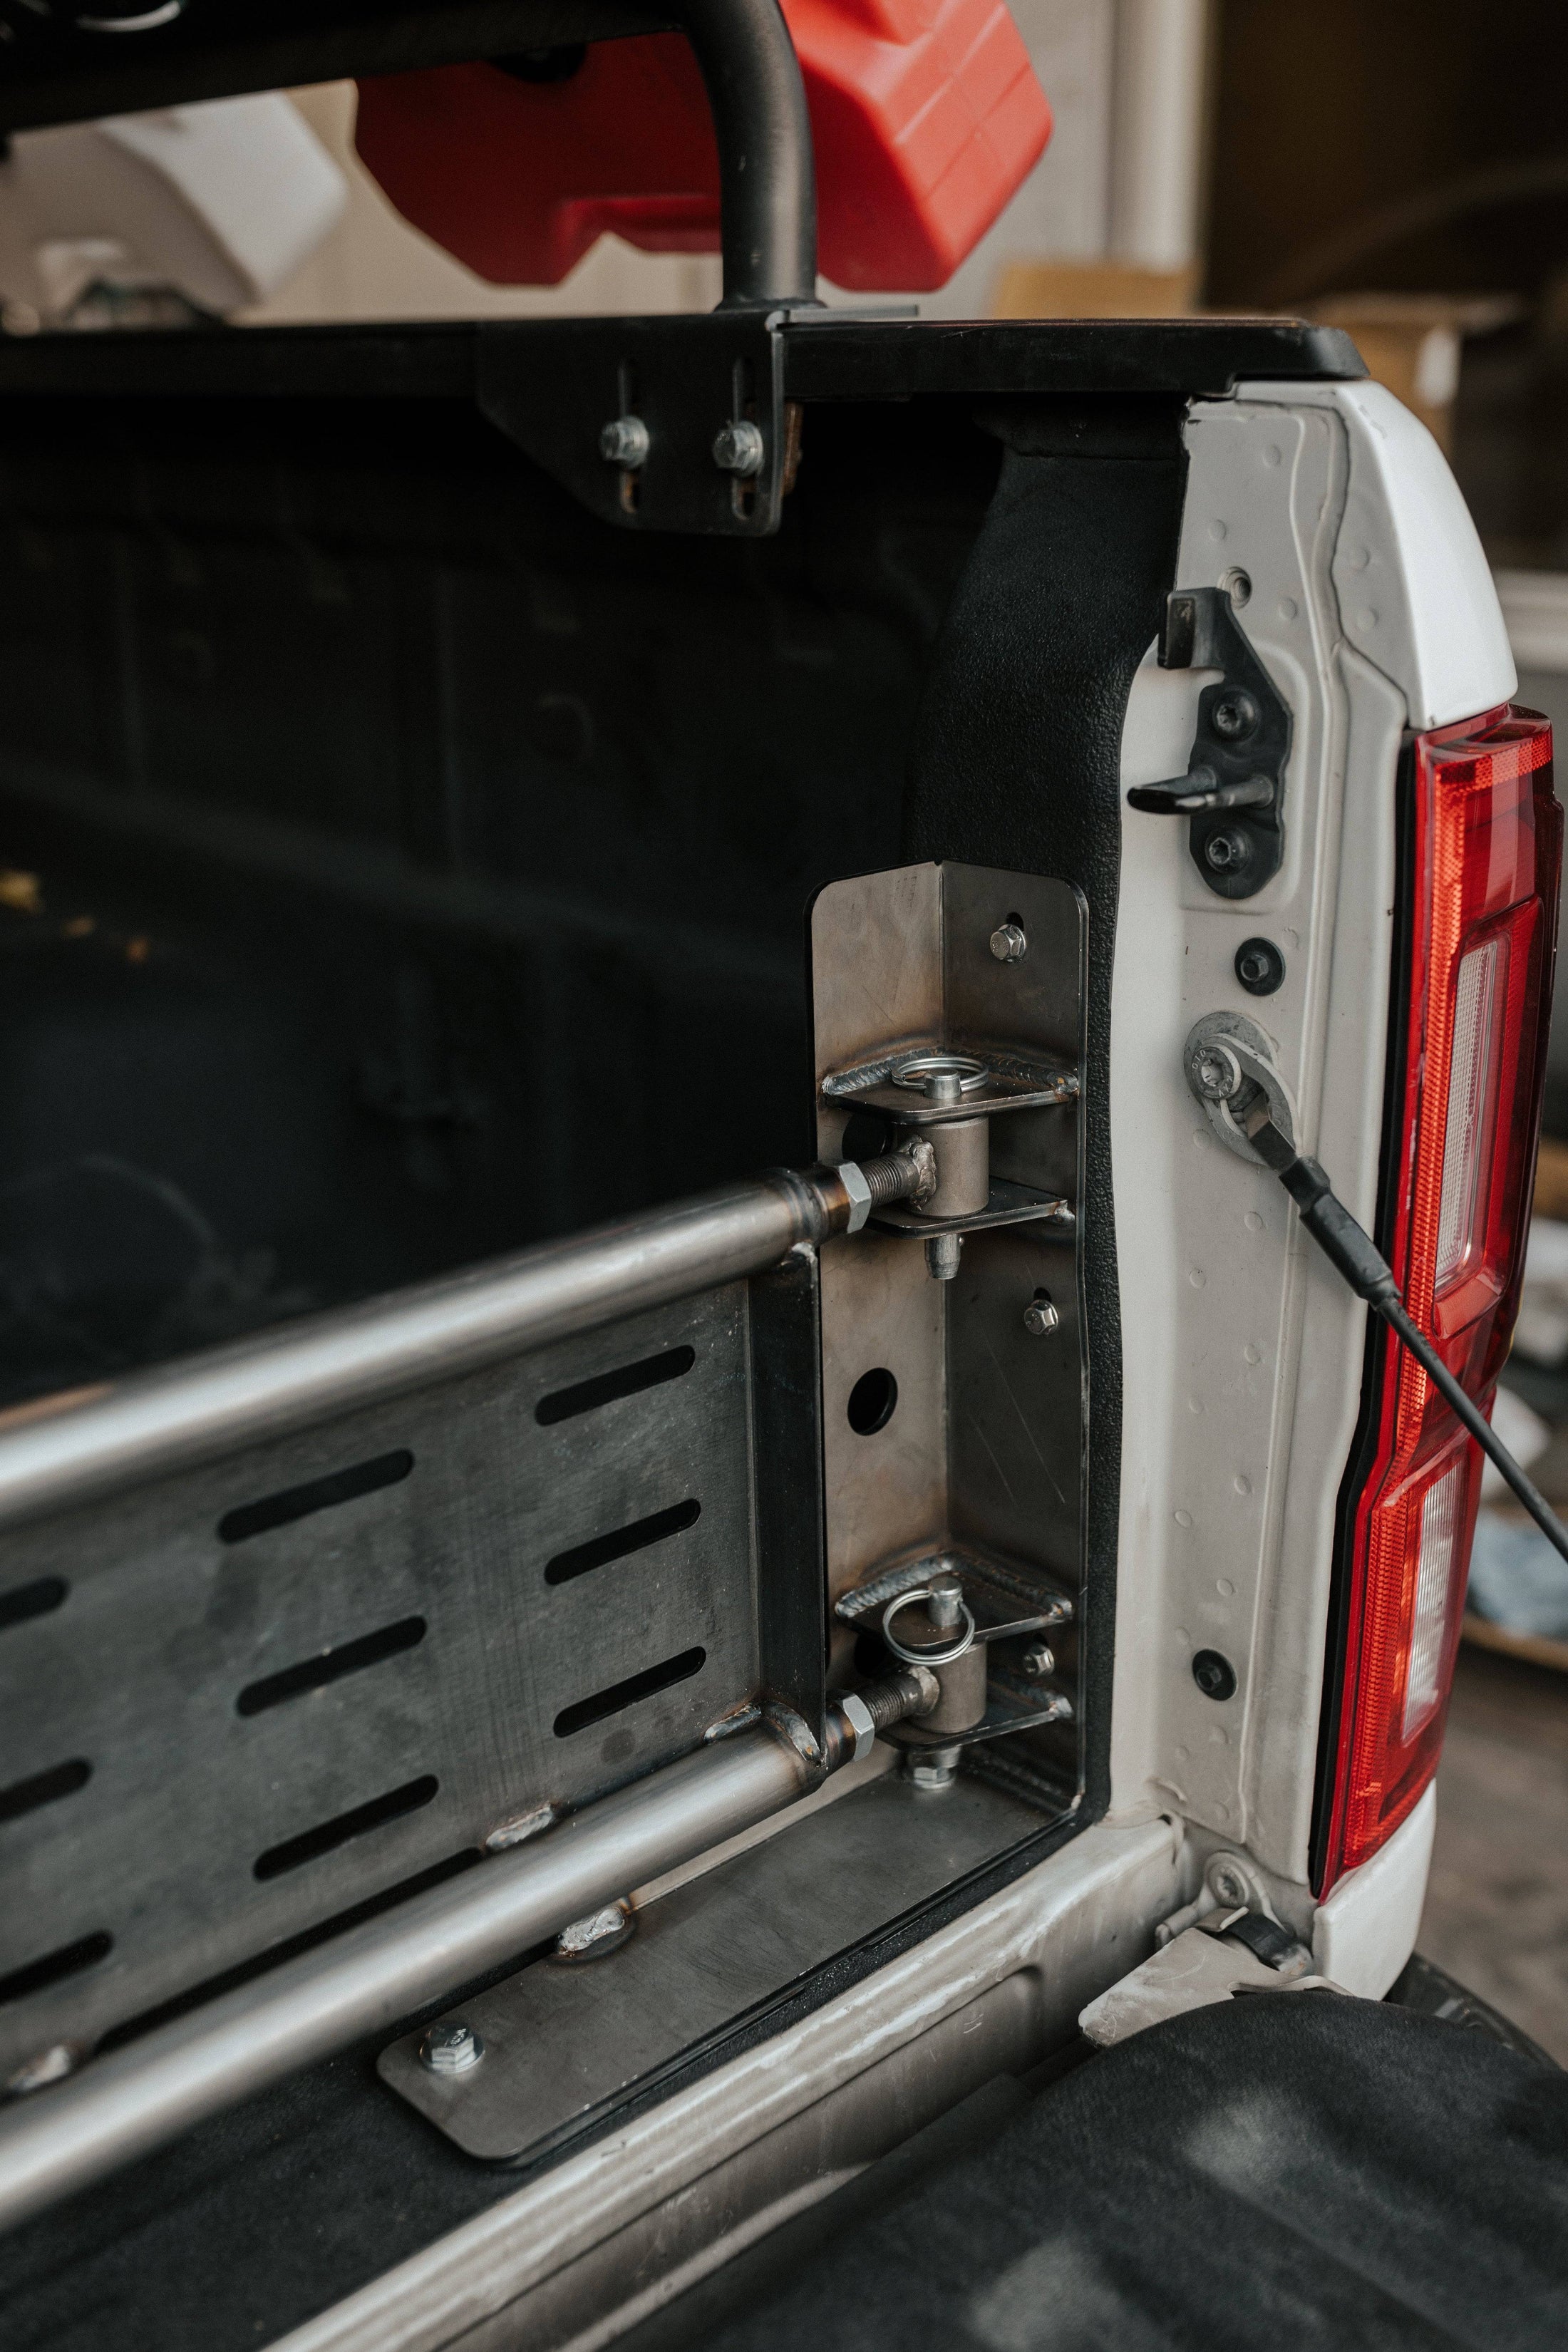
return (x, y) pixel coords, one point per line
(82, 1444)
(767, 173)
(365, 1982)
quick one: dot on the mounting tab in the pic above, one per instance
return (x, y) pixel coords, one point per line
(1235, 784)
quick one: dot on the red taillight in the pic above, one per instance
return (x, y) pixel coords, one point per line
(1481, 851)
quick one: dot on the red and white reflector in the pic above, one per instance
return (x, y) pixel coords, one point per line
(1482, 850)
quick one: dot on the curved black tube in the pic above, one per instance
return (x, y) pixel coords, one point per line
(767, 172)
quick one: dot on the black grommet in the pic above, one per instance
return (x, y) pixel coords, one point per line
(1260, 967)
(1213, 1674)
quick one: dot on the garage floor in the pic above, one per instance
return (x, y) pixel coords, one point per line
(1497, 1903)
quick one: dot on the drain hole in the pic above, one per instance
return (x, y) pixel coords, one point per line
(328, 1834)
(69, 1961)
(622, 1695)
(871, 1402)
(636, 1537)
(60, 1780)
(565, 1404)
(329, 1666)
(25, 1600)
(316, 1494)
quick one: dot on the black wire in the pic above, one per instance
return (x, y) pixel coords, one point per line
(1351, 1249)
(1392, 1313)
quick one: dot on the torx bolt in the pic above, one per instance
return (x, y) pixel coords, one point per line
(738, 448)
(1009, 943)
(1227, 1882)
(624, 442)
(1234, 716)
(1040, 1317)
(1039, 1660)
(450, 2048)
(1216, 1073)
(1227, 851)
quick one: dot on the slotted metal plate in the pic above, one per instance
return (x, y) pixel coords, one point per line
(242, 1701)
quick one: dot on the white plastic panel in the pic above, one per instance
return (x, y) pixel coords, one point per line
(1414, 590)
(1365, 1932)
(1242, 1351)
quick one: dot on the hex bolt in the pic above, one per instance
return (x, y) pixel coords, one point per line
(1213, 1674)
(1040, 1317)
(623, 441)
(932, 1768)
(1227, 851)
(1009, 943)
(450, 2048)
(738, 448)
(1234, 715)
(1260, 967)
(1039, 1660)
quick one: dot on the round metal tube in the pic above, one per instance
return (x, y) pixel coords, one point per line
(963, 1148)
(767, 173)
(367, 1981)
(71, 1448)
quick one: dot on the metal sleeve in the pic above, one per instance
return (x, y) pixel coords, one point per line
(122, 2105)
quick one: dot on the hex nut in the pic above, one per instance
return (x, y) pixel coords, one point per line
(624, 442)
(1213, 1674)
(1260, 967)
(1009, 943)
(738, 448)
(1040, 1317)
(1039, 1660)
(451, 2047)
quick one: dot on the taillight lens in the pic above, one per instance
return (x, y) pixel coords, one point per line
(1481, 851)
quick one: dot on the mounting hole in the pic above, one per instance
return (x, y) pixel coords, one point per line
(871, 1402)
(1237, 584)
(1213, 1674)
(1260, 967)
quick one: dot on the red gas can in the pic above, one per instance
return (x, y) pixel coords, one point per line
(926, 115)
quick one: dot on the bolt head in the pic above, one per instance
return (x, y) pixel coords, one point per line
(1040, 1318)
(450, 2048)
(1228, 1884)
(1039, 1660)
(624, 442)
(1227, 851)
(738, 448)
(1234, 716)
(1216, 1073)
(1009, 943)
(1260, 967)
(932, 1767)
(1213, 1674)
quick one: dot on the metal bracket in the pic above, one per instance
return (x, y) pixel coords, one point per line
(673, 424)
(1235, 784)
